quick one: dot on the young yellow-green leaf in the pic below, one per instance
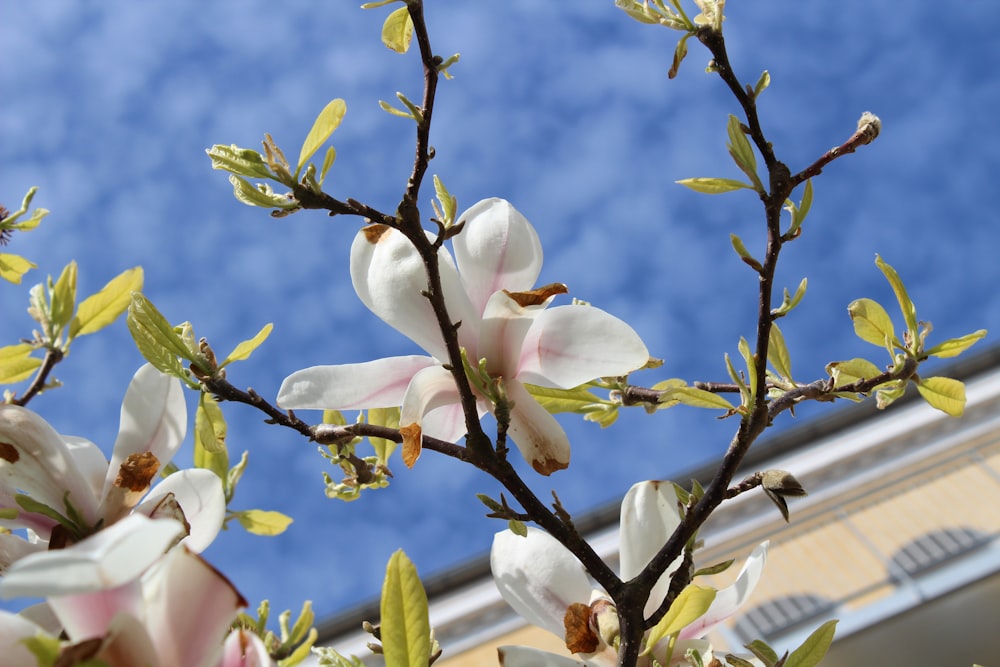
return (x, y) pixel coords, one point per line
(762, 83)
(16, 362)
(718, 568)
(699, 398)
(518, 528)
(13, 267)
(945, 394)
(850, 371)
(762, 651)
(385, 106)
(737, 380)
(741, 151)
(236, 160)
(397, 31)
(555, 400)
(64, 296)
(956, 346)
(777, 353)
(872, 323)
(799, 212)
(101, 309)
(210, 426)
(327, 121)
(448, 202)
(744, 254)
(246, 348)
(46, 650)
(814, 648)
(263, 522)
(380, 3)
(713, 186)
(262, 195)
(680, 52)
(790, 301)
(405, 625)
(748, 357)
(155, 338)
(388, 417)
(888, 393)
(331, 155)
(905, 305)
(687, 607)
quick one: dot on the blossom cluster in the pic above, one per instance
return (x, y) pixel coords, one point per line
(114, 555)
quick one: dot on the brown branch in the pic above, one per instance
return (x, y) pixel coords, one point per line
(52, 357)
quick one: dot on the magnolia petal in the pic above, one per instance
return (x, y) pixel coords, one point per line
(524, 656)
(501, 338)
(373, 384)
(430, 389)
(90, 460)
(244, 649)
(649, 517)
(13, 548)
(728, 600)
(538, 435)
(390, 278)
(569, 345)
(90, 614)
(36, 461)
(14, 630)
(448, 421)
(190, 605)
(497, 249)
(153, 420)
(200, 494)
(115, 555)
(129, 644)
(538, 577)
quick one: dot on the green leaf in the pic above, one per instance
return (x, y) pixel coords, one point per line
(405, 625)
(763, 652)
(814, 648)
(956, 346)
(16, 364)
(518, 528)
(944, 394)
(872, 323)
(388, 417)
(449, 204)
(13, 267)
(101, 309)
(748, 358)
(263, 522)
(905, 305)
(713, 186)
(690, 605)
(331, 155)
(236, 160)
(718, 568)
(736, 661)
(741, 151)
(64, 296)
(789, 302)
(762, 83)
(744, 254)
(680, 52)
(262, 195)
(397, 31)
(385, 106)
(888, 393)
(155, 338)
(852, 370)
(578, 399)
(246, 348)
(777, 353)
(210, 428)
(697, 398)
(799, 212)
(327, 121)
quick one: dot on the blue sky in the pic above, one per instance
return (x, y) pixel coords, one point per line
(562, 108)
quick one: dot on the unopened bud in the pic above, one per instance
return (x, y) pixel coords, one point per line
(869, 126)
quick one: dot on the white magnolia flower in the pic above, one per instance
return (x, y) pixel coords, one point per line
(121, 600)
(62, 488)
(488, 288)
(540, 579)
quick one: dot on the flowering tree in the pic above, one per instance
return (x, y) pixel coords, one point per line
(115, 555)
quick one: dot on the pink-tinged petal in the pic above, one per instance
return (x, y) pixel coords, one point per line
(374, 384)
(244, 649)
(497, 249)
(201, 497)
(524, 656)
(190, 607)
(115, 555)
(153, 420)
(569, 345)
(649, 517)
(14, 630)
(129, 644)
(447, 422)
(542, 441)
(390, 278)
(728, 600)
(90, 460)
(501, 338)
(87, 615)
(430, 389)
(538, 577)
(13, 548)
(36, 461)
